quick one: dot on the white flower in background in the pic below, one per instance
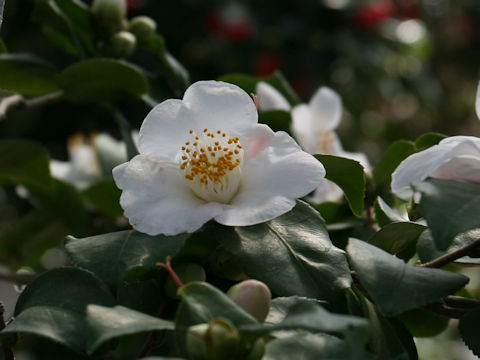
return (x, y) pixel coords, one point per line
(90, 158)
(313, 125)
(454, 158)
(206, 157)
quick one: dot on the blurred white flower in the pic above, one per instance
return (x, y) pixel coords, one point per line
(454, 158)
(313, 125)
(206, 157)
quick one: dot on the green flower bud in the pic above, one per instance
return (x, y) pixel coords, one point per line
(110, 14)
(121, 45)
(142, 27)
(257, 351)
(225, 265)
(252, 296)
(187, 272)
(196, 341)
(223, 340)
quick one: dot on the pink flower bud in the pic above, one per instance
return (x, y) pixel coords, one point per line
(253, 296)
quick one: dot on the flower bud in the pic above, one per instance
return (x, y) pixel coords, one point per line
(110, 14)
(142, 27)
(253, 296)
(187, 272)
(223, 340)
(122, 44)
(257, 351)
(225, 265)
(196, 341)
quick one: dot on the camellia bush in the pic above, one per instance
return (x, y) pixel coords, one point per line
(228, 222)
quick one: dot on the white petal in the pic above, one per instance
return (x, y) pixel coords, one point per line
(477, 101)
(360, 157)
(303, 128)
(156, 199)
(419, 166)
(60, 169)
(327, 191)
(165, 129)
(270, 98)
(271, 182)
(462, 167)
(220, 105)
(326, 107)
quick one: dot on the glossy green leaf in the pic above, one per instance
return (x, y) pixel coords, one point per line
(398, 151)
(27, 75)
(450, 207)
(105, 196)
(394, 286)
(398, 238)
(54, 305)
(113, 256)
(277, 120)
(468, 327)
(107, 323)
(384, 214)
(99, 79)
(24, 162)
(289, 263)
(307, 315)
(427, 140)
(427, 251)
(349, 175)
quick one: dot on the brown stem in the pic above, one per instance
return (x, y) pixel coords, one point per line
(172, 272)
(7, 351)
(18, 101)
(448, 258)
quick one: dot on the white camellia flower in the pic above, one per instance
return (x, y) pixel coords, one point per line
(454, 158)
(206, 157)
(313, 125)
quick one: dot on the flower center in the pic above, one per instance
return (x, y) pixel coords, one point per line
(212, 164)
(325, 140)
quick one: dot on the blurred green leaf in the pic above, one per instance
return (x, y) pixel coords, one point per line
(398, 238)
(349, 176)
(468, 327)
(277, 120)
(107, 323)
(427, 140)
(54, 304)
(384, 214)
(125, 254)
(105, 196)
(273, 252)
(450, 207)
(394, 286)
(398, 151)
(27, 75)
(99, 79)
(423, 323)
(3, 47)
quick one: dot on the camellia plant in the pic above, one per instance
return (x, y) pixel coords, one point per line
(212, 234)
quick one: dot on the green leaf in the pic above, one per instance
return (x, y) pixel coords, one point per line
(290, 264)
(27, 75)
(105, 323)
(428, 140)
(54, 305)
(96, 80)
(423, 323)
(105, 196)
(450, 207)
(307, 315)
(277, 120)
(468, 327)
(394, 286)
(113, 256)
(427, 250)
(384, 214)
(398, 151)
(24, 162)
(3, 47)
(398, 239)
(348, 174)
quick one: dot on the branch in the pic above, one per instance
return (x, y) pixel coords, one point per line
(18, 101)
(452, 307)
(21, 279)
(448, 258)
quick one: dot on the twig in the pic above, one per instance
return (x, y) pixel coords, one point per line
(172, 272)
(448, 258)
(18, 101)
(7, 351)
(21, 279)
